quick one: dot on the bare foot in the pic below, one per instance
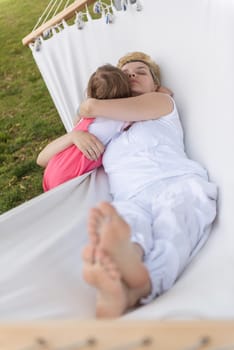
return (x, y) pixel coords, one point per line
(114, 298)
(88, 253)
(112, 294)
(115, 241)
(94, 221)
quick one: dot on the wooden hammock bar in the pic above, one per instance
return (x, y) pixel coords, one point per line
(117, 335)
(67, 13)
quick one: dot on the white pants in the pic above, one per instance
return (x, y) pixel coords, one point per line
(171, 221)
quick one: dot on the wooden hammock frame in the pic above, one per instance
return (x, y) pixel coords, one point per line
(66, 14)
(118, 335)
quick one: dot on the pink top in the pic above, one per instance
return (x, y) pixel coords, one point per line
(69, 163)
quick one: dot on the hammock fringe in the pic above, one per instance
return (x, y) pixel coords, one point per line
(66, 14)
(101, 7)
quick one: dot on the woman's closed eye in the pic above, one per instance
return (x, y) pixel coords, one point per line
(141, 72)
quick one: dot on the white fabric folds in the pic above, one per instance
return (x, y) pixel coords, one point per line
(41, 240)
(40, 251)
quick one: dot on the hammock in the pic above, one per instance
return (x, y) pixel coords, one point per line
(41, 240)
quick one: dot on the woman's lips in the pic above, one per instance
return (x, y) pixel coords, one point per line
(133, 81)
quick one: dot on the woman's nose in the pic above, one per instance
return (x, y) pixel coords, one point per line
(131, 75)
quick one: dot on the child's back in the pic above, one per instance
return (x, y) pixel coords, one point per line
(107, 82)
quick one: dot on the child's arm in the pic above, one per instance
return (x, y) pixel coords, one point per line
(87, 143)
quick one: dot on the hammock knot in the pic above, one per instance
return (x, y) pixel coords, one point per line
(37, 44)
(109, 18)
(79, 20)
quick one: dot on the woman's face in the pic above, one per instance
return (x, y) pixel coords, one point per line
(140, 78)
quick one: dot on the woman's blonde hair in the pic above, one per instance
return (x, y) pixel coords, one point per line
(138, 56)
(108, 82)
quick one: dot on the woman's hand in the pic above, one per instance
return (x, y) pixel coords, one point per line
(88, 144)
(85, 108)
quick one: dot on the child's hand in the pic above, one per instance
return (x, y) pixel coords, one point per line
(88, 144)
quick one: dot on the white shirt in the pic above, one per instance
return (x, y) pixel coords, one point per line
(148, 152)
(104, 129)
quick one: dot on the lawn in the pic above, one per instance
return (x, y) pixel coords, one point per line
(28, 118)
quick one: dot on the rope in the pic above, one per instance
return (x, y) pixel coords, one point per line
(67, 3)
(52, 7)
(48, 10)
(55, 12)
(40, 18)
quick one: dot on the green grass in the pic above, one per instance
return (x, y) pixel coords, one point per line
(28, 118)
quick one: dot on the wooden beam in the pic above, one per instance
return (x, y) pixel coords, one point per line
(117, 334)
(65, 14)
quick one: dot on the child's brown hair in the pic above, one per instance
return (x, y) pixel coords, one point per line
(108, 82)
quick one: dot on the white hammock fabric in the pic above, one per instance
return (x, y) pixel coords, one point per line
(67, 60)
(40, 264)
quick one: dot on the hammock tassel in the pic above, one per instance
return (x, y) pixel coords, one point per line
(139, 6)
(37, 44)
(79, 20)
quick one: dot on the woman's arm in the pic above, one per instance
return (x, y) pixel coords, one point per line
(87, 143)
(152, 105)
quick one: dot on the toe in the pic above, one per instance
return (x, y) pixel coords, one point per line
(88, 254)
(107, 210)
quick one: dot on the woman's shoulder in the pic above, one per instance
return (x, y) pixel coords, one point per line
(173, 113)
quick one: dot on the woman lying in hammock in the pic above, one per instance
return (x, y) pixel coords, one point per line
(163, 203)
(80, 150)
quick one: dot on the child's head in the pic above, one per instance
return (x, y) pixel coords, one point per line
(108, 82)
